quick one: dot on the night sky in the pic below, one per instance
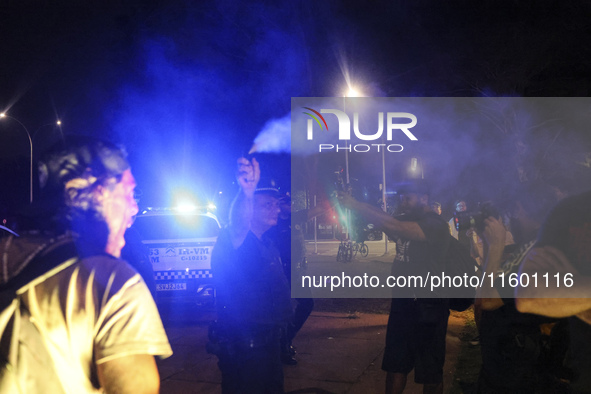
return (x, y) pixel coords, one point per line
(187, 86)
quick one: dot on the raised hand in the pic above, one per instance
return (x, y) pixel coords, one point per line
(248, 175)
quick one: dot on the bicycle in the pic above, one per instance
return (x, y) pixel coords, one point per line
(360, 247)
(345, 252)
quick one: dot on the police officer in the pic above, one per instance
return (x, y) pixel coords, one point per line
(292, 249)
(253, 299)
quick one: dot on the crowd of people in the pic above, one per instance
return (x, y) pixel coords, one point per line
(77, 318)
(534, 338)
(521, 352)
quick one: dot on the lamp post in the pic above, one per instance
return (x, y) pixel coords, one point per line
(384, 201)
(57, 124)
(3, 115)
(351, 92)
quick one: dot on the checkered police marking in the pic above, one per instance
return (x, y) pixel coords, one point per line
(195, 274)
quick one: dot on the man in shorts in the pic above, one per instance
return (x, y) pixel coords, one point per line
(417, 325)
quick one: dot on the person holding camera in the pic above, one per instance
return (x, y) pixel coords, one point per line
(520, 352)
(477, 252)
(417, 326)
(253, 297)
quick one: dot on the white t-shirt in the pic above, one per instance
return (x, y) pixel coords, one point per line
(89, 312)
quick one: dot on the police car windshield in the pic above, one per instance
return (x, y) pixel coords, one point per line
(176, 227)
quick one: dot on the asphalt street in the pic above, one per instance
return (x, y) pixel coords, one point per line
(338, 352)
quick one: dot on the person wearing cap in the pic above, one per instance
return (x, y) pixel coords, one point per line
(253, 297)
(436, 207)
(83, 318)
(463, 237)
(417, 325)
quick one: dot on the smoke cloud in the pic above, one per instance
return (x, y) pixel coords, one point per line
(478, 149)
(275, 137)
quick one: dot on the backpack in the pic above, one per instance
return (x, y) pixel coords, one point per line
(459, 262)
(25, 363)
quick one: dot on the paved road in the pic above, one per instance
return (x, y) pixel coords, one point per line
(337, 352)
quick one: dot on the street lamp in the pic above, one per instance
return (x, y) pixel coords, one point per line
(57, 124)
(351, 92)
(384, 201)
(416, 168)
(3, 115)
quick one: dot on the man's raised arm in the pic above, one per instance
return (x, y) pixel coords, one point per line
(248, 176)
(389, 225)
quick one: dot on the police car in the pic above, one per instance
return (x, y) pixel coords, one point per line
(180, 242)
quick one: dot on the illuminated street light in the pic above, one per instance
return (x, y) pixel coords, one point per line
(416, 168)
(352, 92)
(3, 115)
(57, 124)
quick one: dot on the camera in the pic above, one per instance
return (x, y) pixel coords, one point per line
(475, 219)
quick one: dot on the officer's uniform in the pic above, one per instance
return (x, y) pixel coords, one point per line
(254, 305)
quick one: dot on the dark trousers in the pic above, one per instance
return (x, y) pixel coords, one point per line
(252, 370)
(302, 311)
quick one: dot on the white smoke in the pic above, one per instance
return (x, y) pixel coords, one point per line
(275, 137)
